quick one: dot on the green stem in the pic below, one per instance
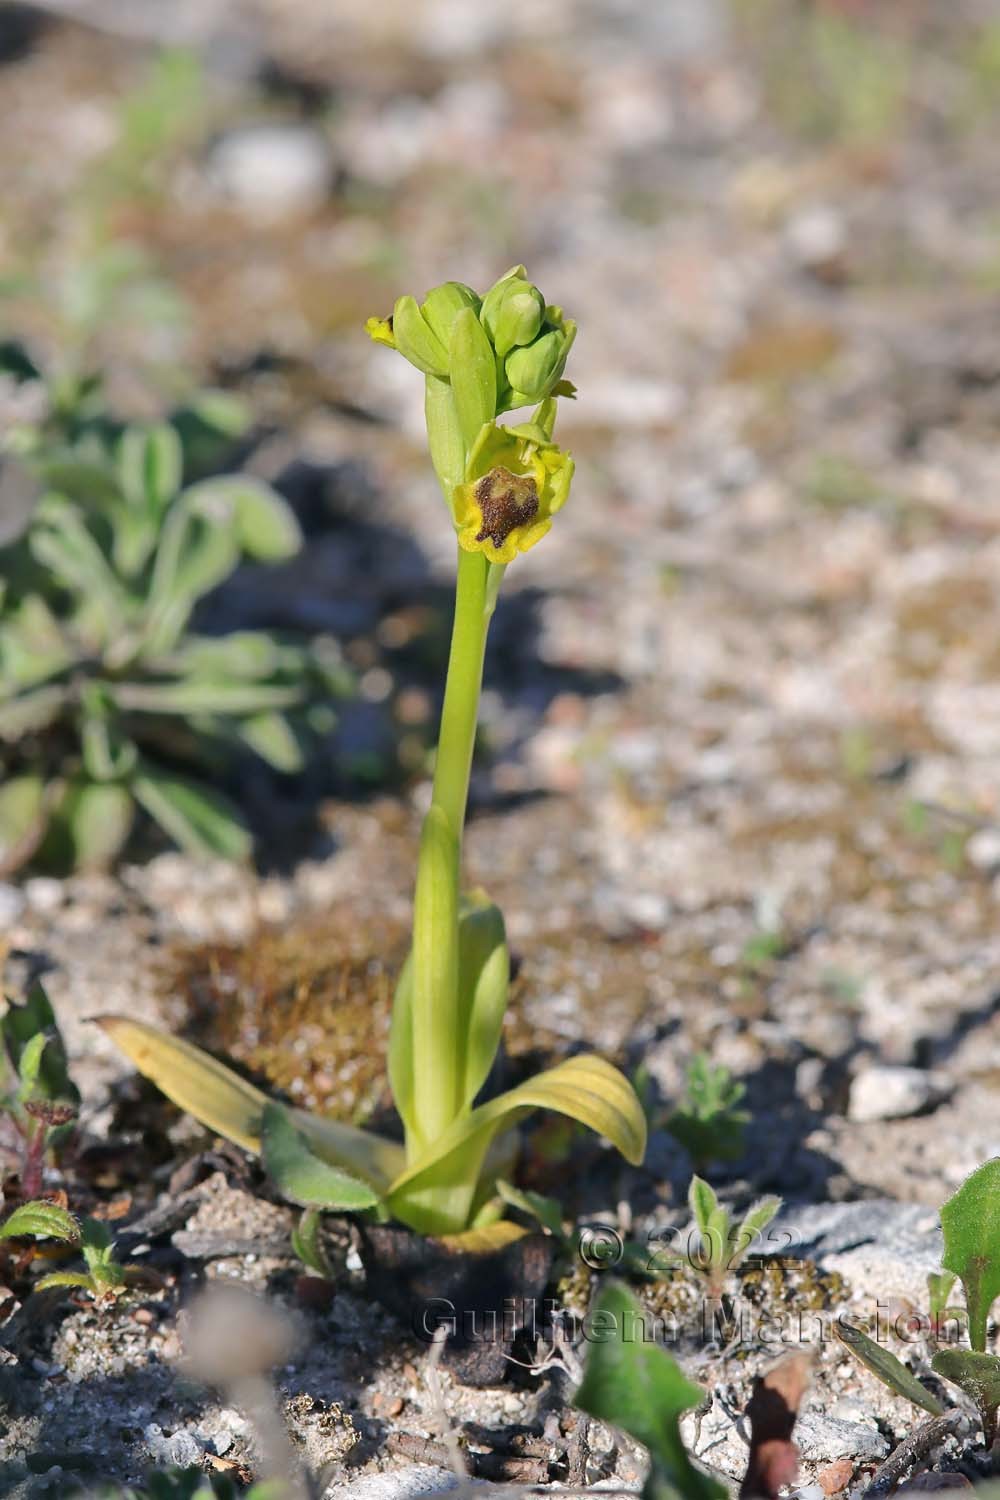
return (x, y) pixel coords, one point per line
(436, 1037)
(462, 687)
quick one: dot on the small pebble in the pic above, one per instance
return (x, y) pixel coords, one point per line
(836, 1477)
(882, 1093)
(44, 894)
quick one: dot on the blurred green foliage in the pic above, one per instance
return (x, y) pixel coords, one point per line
(708, 1122)
(109, 699)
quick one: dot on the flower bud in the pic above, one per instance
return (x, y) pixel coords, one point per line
(533, 371)
(473, 375)
(442, 306)
(512, 313)
(416, 340)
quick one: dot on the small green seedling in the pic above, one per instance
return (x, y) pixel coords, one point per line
(634, 1384)
(707, 1122)
(503, 485)
(106, 689)
(970, 1221)
(104, 1278)
(38, 1101)
(722, 1244)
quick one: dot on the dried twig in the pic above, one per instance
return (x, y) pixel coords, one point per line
(914, 1446)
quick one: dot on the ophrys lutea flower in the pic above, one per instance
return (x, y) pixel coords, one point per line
(516, 480)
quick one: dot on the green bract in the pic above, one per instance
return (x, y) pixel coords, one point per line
(105, 690)
(503, 487)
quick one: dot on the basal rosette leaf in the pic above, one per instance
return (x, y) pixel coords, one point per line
(218, 1097)
(436, 1193)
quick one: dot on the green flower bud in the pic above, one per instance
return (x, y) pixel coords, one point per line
(473, 375)
(533, 371)
(442, 306)
(512, 313)
(416, 340)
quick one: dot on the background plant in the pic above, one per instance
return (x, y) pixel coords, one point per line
(636, 1385)
(38, 1100)
(503, 486)
(970, 1221)
(707, 1122)
(724, 1243)
(110, 698)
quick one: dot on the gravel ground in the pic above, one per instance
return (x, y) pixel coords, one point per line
(741, 789)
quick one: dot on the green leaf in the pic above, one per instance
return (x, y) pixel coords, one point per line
(886, 1367)
(975, 1373)
(245, 654)
(971, 1224)
(61, 541)
(79, 1279)
(302, 1176)
(203, 822)
(91, 484)
(756, 1219)
(703, 1204)
(548, 1211)
(634, 1384)
(150, 464)
(436, 1193)
(483, 983)
(227, 1104)
(41, 1219)
(193, 555)
(262, 523)
(99, 819)
(30, 1065)
(939, 1287)
(308, 1246)
(29, 713)
(473, 371)
(199, 696)
(22, 819)
(35, 1016)
(271, 737)
(33, 646)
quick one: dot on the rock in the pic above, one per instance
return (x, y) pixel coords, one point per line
(817, 238)
(12, 904)
(401, 1484)
(983, 850)
(836, 1477)
(882, 1093)
(824, 1439)
(44, 894)
(271, 170)
(825, 1229)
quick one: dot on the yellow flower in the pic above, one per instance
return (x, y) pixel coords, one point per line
(515, 481)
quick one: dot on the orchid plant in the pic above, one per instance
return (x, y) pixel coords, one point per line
(503, 485)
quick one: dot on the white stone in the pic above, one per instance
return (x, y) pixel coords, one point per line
(983, 849)
(44, 893)
(821, 1439)
(400, 1484)
(270, 170)
(12, 904)
(882, 1093)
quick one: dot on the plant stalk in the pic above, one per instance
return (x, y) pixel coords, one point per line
(460, 712)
